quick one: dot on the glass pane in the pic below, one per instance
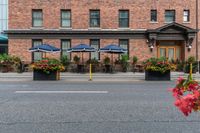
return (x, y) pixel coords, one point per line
(123, 23)
(171, 53)
(37, 55)
(162, 52)
(95, 44)
(94, 23)
(66, 14)
(124, 44)
(94, 14)
(37, 23)
(153, 15)
(66, 45)
(66, 23)
(123, 14)
(178, 53)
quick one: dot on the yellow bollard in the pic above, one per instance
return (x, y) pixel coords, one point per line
(190, 68)
(90, 72)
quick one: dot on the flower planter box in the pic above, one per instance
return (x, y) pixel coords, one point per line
(40, 75)
(157, 76)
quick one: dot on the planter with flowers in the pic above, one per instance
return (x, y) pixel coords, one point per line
(158, 69)
(47, 69)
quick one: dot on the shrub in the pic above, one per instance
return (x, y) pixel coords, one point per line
(76, 59)
(65, 61)
(106, 60)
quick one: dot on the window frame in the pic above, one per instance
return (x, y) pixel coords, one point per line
(174, 17)
(37, 10)
(121, 19)
(152, 15)
(99, 58)
(61, 18)
(98, 19)
(61, 53)
(188, 15)
(34, 40)
(127, 46)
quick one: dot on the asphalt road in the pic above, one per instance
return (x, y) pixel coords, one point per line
(91, 107)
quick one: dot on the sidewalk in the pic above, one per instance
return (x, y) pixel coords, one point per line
(106, 77)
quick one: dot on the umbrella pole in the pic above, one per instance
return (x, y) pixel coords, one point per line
(82, 58)
(112, 59)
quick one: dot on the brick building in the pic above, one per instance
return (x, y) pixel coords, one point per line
(147, 28)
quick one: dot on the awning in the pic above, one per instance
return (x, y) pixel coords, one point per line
(3, 39)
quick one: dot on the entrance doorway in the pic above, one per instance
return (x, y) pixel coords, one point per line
(172, 50)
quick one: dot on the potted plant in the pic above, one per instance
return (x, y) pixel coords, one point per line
(95, 64)
(6, 63)
(106, 62)
(65, 62)
(124, 62)
(47, 69)
(158, 69)
(135, 59)
(190, 60)
(76, 59)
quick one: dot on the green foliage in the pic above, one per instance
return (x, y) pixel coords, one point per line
(106, 60)
(124, 62)
(135, 59)
(93, 61)
(76, 59)
(5, 59)
(158, 64)
(47, 65)
(65, 61)
(190, 60)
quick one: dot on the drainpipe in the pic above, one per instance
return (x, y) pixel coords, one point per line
(197, 29)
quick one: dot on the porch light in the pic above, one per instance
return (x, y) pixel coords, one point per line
(189, 46)
(151, 47)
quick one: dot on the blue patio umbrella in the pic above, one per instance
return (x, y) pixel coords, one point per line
(113, 49)
(81, 48)
(44, 48)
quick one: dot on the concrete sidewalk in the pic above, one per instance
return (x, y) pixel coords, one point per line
(106, 77)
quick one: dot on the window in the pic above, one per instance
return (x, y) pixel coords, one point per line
(186, 16)
(124, 18)
(153, 15)
(36, 55)
(124, 43)
(169, 15)
(65, 44)
(65, 18)
(37, 18)
(94, 18)
(95, 43)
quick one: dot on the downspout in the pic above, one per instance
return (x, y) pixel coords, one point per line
(197, 28)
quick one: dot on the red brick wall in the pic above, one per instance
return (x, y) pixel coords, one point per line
(20, 12)
(20, 17)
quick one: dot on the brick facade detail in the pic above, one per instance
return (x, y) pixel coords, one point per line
(20, 18)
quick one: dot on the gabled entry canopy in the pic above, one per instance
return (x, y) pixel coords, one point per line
(172, 31)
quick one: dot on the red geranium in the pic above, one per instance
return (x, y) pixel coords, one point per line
(187, 95)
